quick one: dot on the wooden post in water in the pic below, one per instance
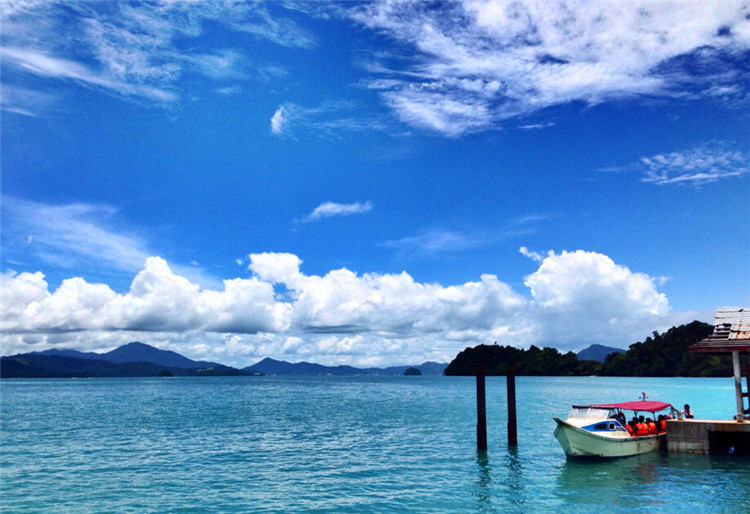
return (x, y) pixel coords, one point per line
(511, 386)
(738, 386)
(481, 410)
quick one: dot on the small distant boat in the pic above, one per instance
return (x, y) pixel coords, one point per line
(600, 430)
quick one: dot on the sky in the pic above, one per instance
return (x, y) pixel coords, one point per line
(370, 183)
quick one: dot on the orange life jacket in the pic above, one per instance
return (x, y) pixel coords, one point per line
(652, 428)
(642, 428)
(629, 429)
(663, 425)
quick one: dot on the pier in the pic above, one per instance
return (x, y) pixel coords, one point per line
(731, 335)
(705, 436)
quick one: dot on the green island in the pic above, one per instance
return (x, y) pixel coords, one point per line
(660, 355)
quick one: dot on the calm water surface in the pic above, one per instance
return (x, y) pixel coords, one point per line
(340, 444)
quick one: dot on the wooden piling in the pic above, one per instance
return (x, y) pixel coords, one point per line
(511, 386)
(738, 386)
(481, 410)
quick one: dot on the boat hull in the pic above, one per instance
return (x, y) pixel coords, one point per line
(577, 442)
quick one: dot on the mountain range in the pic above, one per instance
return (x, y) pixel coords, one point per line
(141, 360)
(273, 367)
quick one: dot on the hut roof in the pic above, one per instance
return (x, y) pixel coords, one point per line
(731, 333)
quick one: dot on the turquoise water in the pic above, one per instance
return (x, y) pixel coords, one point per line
(339, 444)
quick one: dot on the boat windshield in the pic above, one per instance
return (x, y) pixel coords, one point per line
(590, 412)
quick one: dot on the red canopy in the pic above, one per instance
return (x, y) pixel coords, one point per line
(636, 405)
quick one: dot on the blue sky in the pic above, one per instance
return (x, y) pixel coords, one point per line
(370, 183)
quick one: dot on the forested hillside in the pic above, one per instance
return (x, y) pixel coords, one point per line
(660, 355)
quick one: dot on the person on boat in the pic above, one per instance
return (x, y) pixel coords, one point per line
(642, 426)
(662, 423)
(631, 428)
(651, 426)
(687, 412)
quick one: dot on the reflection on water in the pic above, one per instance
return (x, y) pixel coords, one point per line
(484, 482)
(509, 481)
(515, 480)
(592, 481)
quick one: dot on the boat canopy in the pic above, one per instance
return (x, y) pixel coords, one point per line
(639, 405)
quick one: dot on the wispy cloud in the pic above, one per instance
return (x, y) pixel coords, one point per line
(39, 63)
(80, 236)
(74, 235)
(283, 32)
(437, 241)
(329, 118)
(441, 241)
(477, 63)
(131, 50)
(534, 256)
(331, 209)
(701, 165)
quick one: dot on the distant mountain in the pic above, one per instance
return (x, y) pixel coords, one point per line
(597, 352)
(136, 352)
(71, 353)
(139, 352)
(131, 360)
(275, 367)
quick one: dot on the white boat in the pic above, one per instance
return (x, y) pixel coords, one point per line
(599, 430)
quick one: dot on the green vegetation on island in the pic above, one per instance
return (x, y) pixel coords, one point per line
(660, 355)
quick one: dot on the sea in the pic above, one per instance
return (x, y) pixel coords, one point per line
(341, 444)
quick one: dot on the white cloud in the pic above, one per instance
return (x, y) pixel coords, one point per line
(331, 209)
(534, 256)
(278, 121)
(472, 63)
(329, 119)
(585, 296)
(481, 61)
(158, 301)
(281, 31)
(581, 280)
(447, 114)
(576, 298)
(130, 50)
(703, 164)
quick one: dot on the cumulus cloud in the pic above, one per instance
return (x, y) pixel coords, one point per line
(700, 165)
(574, 299)
(158, 301)
(331, 209)
(585, 296)
(480, 61)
